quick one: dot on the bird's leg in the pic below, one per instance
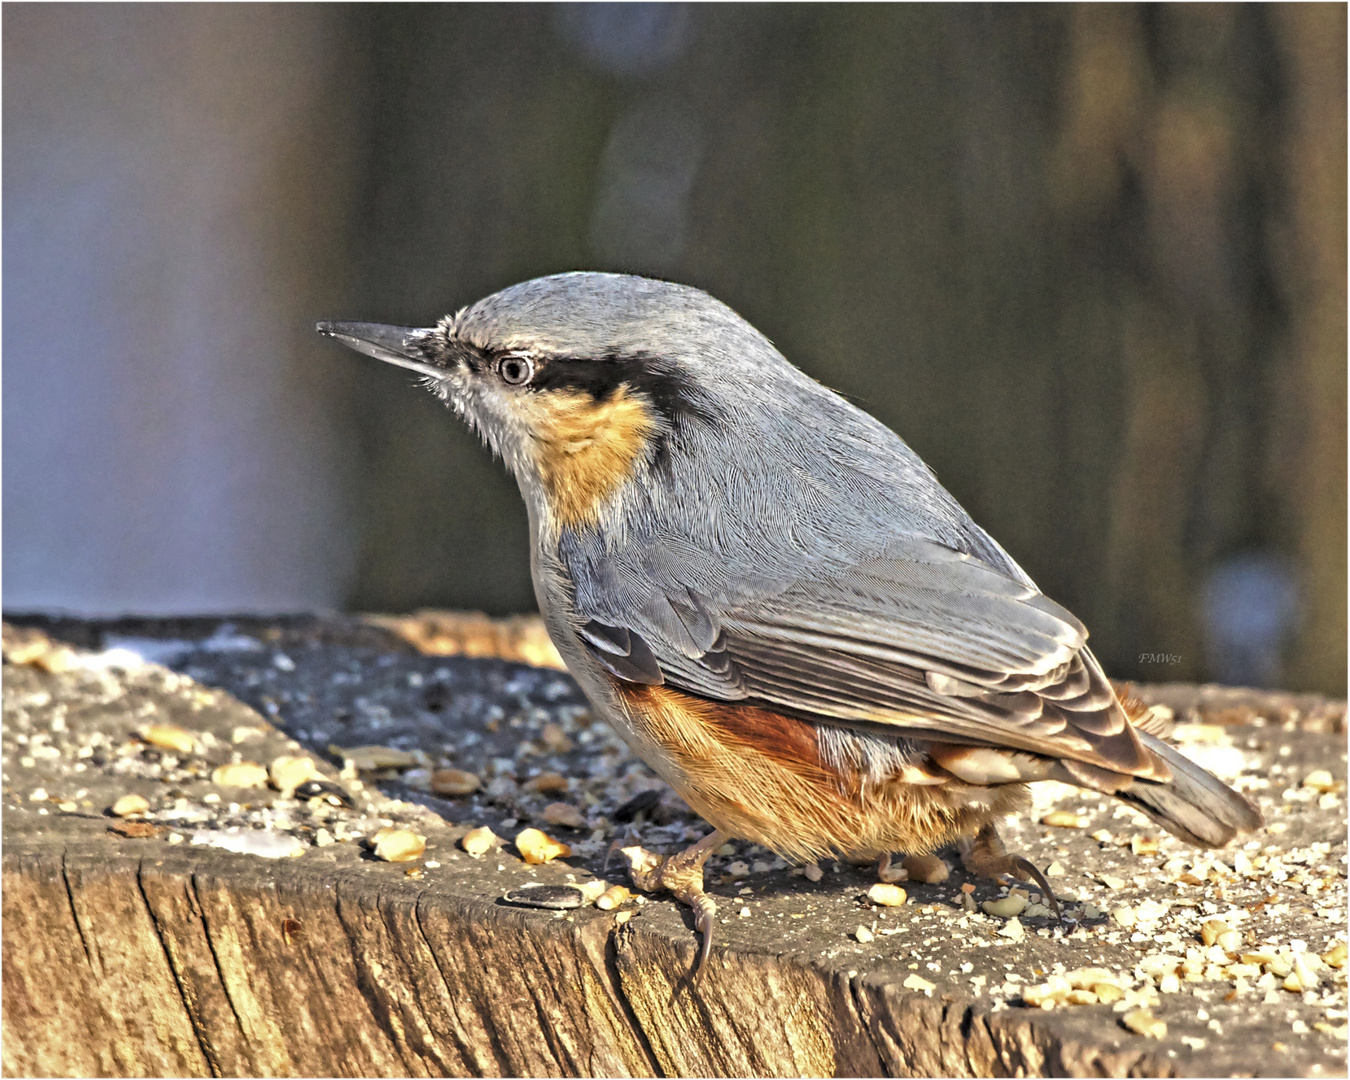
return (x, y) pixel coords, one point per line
(986, 856)
(682, 876)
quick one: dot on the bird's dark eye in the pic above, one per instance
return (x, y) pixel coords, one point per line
(515, 370)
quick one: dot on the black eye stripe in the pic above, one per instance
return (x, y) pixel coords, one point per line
(661, 381)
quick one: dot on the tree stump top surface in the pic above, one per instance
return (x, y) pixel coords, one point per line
(139, 946)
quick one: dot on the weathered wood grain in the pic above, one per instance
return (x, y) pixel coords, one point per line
(143, 957)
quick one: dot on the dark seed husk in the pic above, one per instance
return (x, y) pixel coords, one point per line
(556, 897)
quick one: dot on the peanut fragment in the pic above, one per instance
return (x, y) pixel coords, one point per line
(537, 847)
(398, 845)
(886, 895)
(614, 896)
(565, 814)
(479, 841)
(130, 804)
(289, 772)
(1143, 1022)
(245, 774)
(1009, 907)
(454, 782)
(169, 737)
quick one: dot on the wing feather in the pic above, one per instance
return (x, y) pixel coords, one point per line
(922, 640)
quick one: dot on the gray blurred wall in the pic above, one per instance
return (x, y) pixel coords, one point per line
(178, 181)
(1088, 260)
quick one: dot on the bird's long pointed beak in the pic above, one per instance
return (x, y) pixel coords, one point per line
(392, 344)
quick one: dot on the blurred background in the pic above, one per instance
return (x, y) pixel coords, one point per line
(1090, 261)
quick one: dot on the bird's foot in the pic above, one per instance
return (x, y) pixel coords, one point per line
(986, 857)
(682, 876)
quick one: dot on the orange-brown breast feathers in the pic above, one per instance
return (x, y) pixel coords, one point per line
(759, 775)
(587, 447)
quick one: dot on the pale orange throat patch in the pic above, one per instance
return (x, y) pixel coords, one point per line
(587, 448)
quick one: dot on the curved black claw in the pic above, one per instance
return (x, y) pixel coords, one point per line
(704, 910)
(1032, 871)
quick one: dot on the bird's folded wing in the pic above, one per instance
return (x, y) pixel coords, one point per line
(922, 641)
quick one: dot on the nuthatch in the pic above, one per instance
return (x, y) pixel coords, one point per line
(769, 595)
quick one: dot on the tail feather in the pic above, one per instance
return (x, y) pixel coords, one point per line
(1195, 805)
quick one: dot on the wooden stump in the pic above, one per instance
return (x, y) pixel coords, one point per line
(155, 955)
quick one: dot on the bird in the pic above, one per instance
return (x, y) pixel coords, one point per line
(770, 596)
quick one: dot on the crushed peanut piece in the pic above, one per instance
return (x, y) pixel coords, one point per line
(886, 895)
(565, 814)
(1010, 906)
(244, 774)
(549, 783)
(479, 841)
(454, 782)
(398, 845)
(536, 847)
(1319, 780)
(374, 758)
(169, 737)
(130, 804)
(614, 896)
(1143, 1022)
(289, 772)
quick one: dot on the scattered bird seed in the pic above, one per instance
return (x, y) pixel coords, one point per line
(549, 783)
(554, 897)
(1319, 780)
(398, 845)
(614, 896)
(537, 847)
(813, 872)
(169, 737)
(242, 774)
(555, 740)
(1065, 819)
(886, 895)
(128, 805)
(289, 772)
(918, 982)
(454, 782)
(1048, 994)
(592, 890)
(479, 841)
(331, 793)
(374, 758)
(1143, 1022)
(1009, 907)
(863, 934)
(565, 814)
